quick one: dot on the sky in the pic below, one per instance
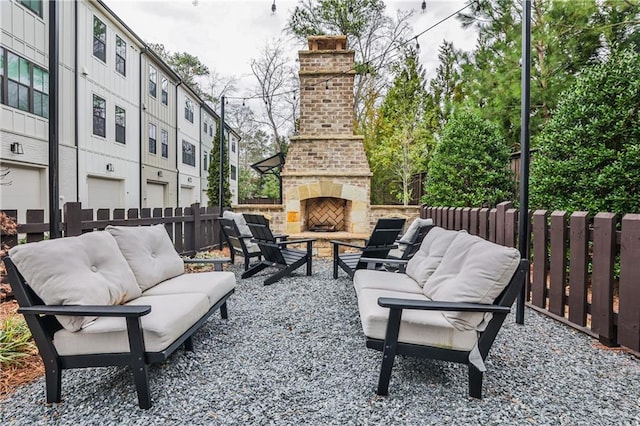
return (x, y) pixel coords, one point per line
(226, 34)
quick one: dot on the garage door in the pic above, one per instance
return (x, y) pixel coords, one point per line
(187, 196)
(204, 199)
(22, 188)
(155, 195)
(105, 193)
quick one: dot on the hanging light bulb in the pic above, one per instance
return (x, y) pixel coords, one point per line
(326, 85)
(273, 7)
(350, 8)
(242, 102)
(417, 45)
(423, 6)
(294, 95)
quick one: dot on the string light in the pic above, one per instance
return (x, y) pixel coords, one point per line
(417, 45)
(423, 6)
(273, 7)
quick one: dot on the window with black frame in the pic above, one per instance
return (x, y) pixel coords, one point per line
(18, 82)
(23, 85)
(233, 172)
(99, 116)
(99, 39)
(188, 153)
(121, 56)
(2, 75)
(152, 138)
(120, 125)
(33, 5)
(153, 80)
(40, 92)
(205, 163)
(165, 144)
(188, 109)
(165, 91)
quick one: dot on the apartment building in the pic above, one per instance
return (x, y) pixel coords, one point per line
(130, 131)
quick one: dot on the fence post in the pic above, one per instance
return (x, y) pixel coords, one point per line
(473, 220)
(197, 227)
(628, 312)
(72, 219)
(604, 244)
(558, 263)
(540, 259)
(35, 216)
(510, 227)
(578, 264)
(501, 210)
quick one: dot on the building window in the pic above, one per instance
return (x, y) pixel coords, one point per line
(99, 116)
(188, 109)
(153, 79)
(120, 125)
(165, 144)
(152, 138)
(210, 129)
(188, 153)
(232, 172)
(121, 56)
(204, 127)
(233, 145)
(34, 5)
(27, 85)
(165, 91)
(205, 164)
(99, 39)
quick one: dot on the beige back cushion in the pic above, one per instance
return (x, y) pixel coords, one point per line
(149, 252)
(84, 270)
(412, 230)
(428, 257)
(472, 270)
(241, 223)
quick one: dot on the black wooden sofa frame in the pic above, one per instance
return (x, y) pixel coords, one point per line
(43, 325)
(390, 347)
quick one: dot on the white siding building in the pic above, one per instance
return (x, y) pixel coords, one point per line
(188, 139)
(208, 131)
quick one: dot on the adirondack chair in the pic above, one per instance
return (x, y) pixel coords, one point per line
(275, 252)
(381, 241)
(239, 244)
(409, 243)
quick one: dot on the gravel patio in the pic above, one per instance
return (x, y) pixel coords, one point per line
(294, 353)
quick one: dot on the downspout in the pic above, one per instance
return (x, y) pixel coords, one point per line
(177, 167)
(54, 116)
(140, 106)
(75, 106)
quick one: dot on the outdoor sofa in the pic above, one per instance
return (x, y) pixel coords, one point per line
(450, 304)
(114, 297)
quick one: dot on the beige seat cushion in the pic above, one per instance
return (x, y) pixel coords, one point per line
(429, 256)
(170, 317)
(472, 270)
(213, 284)
(383, 280)
(417, 327)
(149, 252)
(84, 270)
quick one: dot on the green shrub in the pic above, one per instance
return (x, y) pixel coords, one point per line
(15, 340)
(470, 165)
(589, 152)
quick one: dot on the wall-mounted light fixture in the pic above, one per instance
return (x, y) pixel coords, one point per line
(188, 179)
(16, 148)
(110, 167)
(159, 173)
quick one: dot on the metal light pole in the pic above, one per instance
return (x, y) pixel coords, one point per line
(523, 225)
(54, 190)
(221, 180)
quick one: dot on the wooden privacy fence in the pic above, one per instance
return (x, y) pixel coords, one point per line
(191, 229)
(585, 270)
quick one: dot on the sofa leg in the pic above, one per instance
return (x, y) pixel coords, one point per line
(188, 344)
(223, 311)
(137, 362)
(53, 379)
(475, 382)
(389, 352)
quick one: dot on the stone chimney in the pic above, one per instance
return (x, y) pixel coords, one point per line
(326, 177)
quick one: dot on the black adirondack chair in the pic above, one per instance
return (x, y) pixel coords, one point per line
(238, 243)
(406, 249)
(381, 241)
(390, 346)
(275, 252)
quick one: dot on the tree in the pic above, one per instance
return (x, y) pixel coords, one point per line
(214, 175)
(400, 143)
(589, 156)
(371, 33)
(470, 165)
(276, 81)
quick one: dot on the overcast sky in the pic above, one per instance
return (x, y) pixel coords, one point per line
(226, 35)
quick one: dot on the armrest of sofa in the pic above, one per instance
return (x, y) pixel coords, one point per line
(428, 305)
(389, 261)
(88, 310)
(216, 262)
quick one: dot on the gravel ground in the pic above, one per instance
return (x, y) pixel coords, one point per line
(294, 353)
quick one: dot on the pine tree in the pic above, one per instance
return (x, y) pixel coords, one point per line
(214, 175)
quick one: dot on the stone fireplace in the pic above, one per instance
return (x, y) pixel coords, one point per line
(326, 177)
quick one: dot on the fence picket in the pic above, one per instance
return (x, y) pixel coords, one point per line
(578, 267)
(629, 291)
(558, 263)
(540, 259)
(604, 244)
